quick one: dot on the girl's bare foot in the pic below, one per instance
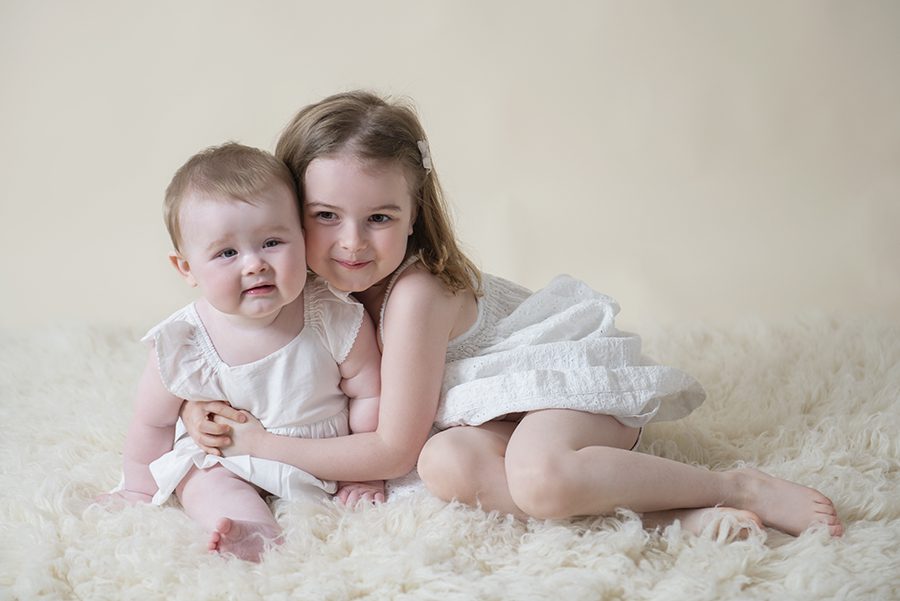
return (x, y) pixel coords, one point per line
(785, 505)
(245, 540)
(719, 523)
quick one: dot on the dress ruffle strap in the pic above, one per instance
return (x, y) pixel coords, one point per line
(183, 356)
(329, 312)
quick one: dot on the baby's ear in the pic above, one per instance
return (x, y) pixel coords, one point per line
(182, 266)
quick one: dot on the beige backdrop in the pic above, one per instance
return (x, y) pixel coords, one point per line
(695, 160)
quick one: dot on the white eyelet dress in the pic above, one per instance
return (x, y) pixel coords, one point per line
(293, 392)
(554, 348)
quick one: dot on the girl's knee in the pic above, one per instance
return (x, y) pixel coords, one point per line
(540, 485)
(448, 465)
(439, 465)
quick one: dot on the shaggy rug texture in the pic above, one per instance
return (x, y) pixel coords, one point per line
(816, 400)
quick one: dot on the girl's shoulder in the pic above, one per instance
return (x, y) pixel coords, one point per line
(420, 303)
(418, 283)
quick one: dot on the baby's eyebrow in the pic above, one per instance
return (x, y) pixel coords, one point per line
(278, 229)
(226, 240)
(217, 244)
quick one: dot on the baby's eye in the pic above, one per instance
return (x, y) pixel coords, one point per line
(271, 243)
(379, 218)
(228, 253)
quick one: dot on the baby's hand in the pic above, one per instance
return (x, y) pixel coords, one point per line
(352, 493)
(129, 497)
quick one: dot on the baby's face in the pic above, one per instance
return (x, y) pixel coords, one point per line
(247, 259)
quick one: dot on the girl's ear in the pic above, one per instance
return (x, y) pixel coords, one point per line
(182, 266)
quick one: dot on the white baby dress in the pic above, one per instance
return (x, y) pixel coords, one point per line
(554, 348)
(294, 391)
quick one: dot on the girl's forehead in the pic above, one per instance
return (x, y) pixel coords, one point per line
(351, 162)
(342, 178)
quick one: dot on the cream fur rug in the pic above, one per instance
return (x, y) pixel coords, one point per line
(814, 400)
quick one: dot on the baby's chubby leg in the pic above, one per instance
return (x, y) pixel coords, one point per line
(237, 517)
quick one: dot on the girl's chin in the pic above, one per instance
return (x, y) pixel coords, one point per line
(348, 284)
(351, 285)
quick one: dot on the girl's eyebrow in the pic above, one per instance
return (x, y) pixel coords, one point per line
(382, 208)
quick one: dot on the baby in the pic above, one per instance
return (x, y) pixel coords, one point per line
(289, 351)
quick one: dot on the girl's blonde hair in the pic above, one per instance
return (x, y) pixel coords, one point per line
(372, 128)
(230, 171)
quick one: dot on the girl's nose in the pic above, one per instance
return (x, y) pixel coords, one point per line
(352, 237)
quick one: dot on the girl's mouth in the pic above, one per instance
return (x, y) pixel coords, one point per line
(352, 264)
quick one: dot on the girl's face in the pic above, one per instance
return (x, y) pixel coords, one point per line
(247, 259)
(357, 216)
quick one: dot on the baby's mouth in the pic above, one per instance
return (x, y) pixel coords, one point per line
(259, 290)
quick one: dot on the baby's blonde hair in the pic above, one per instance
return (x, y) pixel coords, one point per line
(230, 171)
(372, 128)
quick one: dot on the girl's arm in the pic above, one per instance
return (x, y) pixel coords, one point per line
(418, 321)
(151, 433)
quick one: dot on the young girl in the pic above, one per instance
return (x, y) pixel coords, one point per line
(291, 356)
(539, 399)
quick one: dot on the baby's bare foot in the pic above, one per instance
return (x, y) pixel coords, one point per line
(245, 540)
(785, 505)
(718, 523)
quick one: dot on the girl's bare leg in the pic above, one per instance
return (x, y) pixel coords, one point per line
(238, 518)
(466, 463)
(562, 463)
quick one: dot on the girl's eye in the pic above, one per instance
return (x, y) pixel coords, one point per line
(326, 216)
(379, 218)
(228, 253)
(271, 243)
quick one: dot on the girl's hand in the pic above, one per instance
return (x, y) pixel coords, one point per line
(210, 435)
(352, 493)
(246, 433)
